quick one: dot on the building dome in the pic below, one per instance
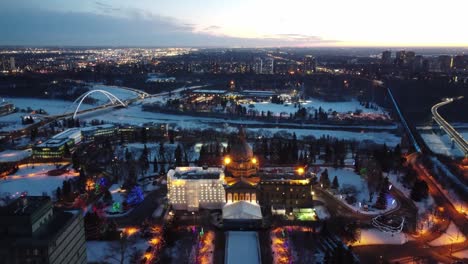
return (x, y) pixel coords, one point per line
(241, 151)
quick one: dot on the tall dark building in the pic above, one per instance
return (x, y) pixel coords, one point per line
(32, 231)
(445, 62)
(310, 64)
(387, 57)
(400, 58)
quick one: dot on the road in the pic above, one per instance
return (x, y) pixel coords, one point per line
(404, 208)
(439, 198)
(454, 135)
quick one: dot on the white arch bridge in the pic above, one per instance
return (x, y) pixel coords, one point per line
(112, 98)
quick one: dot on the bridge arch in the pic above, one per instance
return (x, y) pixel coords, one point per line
(112, 98)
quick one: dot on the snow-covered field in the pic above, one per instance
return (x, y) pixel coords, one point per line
(12, 122)
(442, 144)
(34, 181)
(451, 235)
(376, 137)
(322, 212)
(133, 115)
(14, 155)
(51, 106)
(311, 105)
(424, 207)
(347, 177)
(377, 237)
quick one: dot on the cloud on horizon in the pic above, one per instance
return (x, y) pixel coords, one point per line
(113, 26)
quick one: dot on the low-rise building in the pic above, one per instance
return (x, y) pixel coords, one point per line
(57, 146)
(283, 191)
(102, 131)
(31, 231)
(6, 108)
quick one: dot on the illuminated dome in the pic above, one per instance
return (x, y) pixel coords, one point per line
(240, 162)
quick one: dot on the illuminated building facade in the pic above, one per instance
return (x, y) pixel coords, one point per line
(242, 191)
(6, 108)
(102, 131)
(285, 188)
(191, 188)
(55, 147)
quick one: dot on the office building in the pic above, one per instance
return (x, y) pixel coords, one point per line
(56, 147)
(269, 66)
(99, 132)
(386, 57)
(310, 64)
(258, 66)
(31, 231)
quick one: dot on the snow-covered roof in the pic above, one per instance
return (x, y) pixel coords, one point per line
(209, 91)
(196, 173)
(242, 210)
(242, 247)
(93, 128)
(68, 133)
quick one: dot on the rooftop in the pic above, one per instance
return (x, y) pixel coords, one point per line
(54, 142)
(92, 128)
(209, 91)
(68, 133)
(24, 205)
(196, 173)
(281, 173)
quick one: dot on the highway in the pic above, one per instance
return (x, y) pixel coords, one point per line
(454, 135)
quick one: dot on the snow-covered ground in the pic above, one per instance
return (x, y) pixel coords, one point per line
(451, 235)
(347, 177)
(376, 137)
(376, 237)
(109, 251)
(51, 106)
(424, 207)
(442, 144)
(14, 155)
(311, 105)
(13, 122)
(34, 181)
(322, 212)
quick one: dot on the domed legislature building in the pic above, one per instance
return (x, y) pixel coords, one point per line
(240, 161)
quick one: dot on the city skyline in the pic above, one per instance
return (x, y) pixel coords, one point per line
(233, 23)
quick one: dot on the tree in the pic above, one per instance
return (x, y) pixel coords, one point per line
(324, 179)
(135, 196)
(155, 165)
(420, 191)
(144, 134)
(335, 184)
(161, 151)
(381, 202)
(66, 151)
(178, 156)
(107, 196)
(58, 193)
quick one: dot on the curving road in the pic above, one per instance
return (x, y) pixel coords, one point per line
(454, 135)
